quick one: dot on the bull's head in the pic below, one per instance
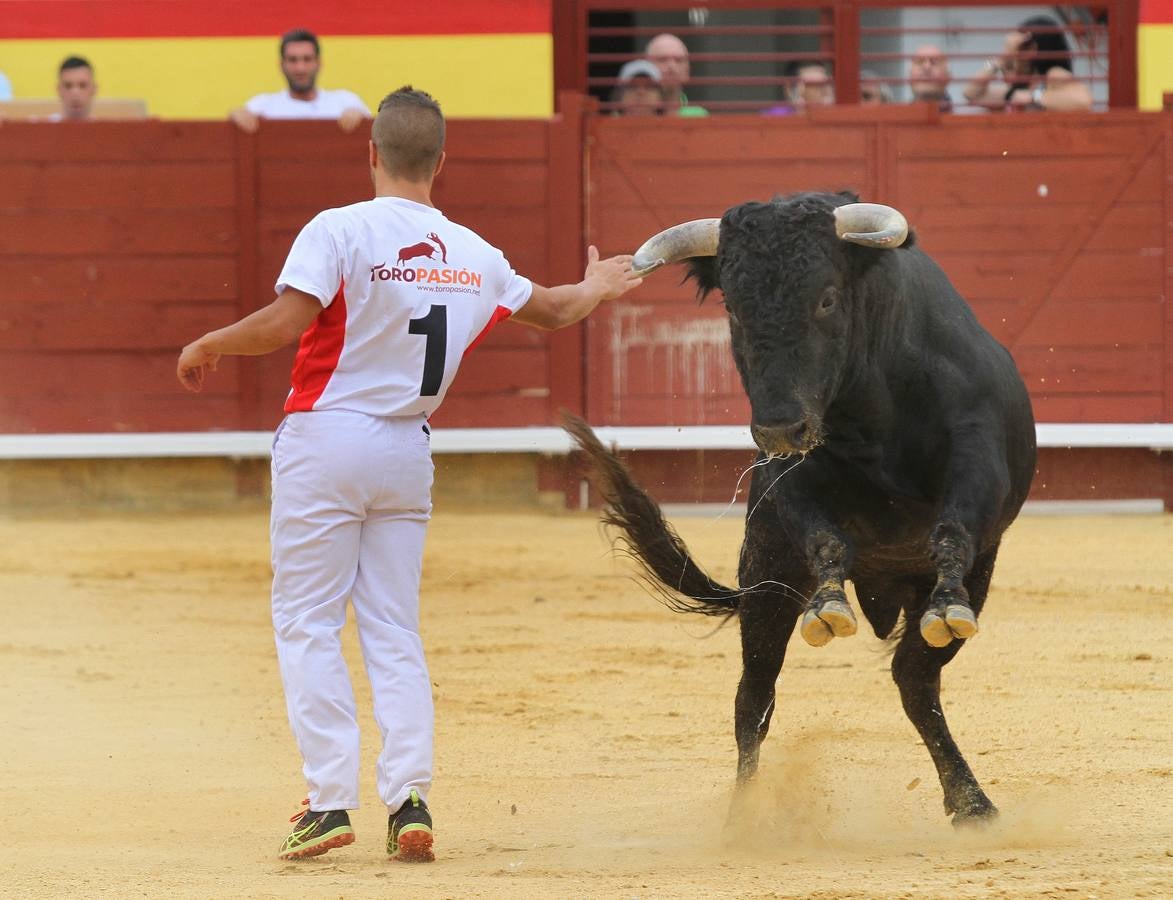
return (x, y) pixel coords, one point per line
(791, 283)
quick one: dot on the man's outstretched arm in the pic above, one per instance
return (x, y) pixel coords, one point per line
(281, 322)
(557, 307)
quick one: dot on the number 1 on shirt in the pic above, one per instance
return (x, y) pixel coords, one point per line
(435, 326)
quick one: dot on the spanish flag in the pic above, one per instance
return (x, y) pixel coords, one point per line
(198, 60)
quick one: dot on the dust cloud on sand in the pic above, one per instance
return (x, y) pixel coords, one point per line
(584, 733)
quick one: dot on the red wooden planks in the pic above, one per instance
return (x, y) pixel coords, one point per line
(1053, 227)
(116, 279)
(116, 141)
(134, 232)
(118, 185)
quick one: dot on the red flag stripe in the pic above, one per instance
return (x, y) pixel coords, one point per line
(232, 18)
(1156, 12)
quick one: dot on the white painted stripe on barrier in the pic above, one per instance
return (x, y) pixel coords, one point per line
(1154, 436)
(1138, 507)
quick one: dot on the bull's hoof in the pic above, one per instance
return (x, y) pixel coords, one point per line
(814, 630)
(838, 617)
(961, 621)
(976, 817)
(833, 619)
(958, 623)
(934, 630)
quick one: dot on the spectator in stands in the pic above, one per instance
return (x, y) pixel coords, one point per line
(808, 83)
(872, 91)
(300, 63)
(640, 91)
(929, 77)
(668, 54)
(76, 88)
(1034, 72)
(811, 85)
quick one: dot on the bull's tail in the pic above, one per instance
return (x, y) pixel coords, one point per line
(678, 581)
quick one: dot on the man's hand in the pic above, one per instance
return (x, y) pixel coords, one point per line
(557, 307)
(194, 364)
(351, 119)
(1022, 98)
(611, 277)
(245, 120)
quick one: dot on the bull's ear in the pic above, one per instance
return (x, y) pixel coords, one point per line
(849, 196)
(703, 270)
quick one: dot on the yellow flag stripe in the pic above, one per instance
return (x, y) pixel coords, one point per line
(490, 76)
(1154, 51)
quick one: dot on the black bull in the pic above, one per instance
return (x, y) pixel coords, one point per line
(897, 444)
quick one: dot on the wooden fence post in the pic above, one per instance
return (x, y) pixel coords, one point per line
(249, 399)
(565, 231)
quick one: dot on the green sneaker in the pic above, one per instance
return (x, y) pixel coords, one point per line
(409, 831)
(316, 832)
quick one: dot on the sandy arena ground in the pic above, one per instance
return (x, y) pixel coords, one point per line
(584, 739)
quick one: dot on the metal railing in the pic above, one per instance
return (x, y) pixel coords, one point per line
(743, 52)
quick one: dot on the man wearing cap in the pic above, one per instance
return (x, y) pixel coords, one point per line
(668, 54)
(640, 91)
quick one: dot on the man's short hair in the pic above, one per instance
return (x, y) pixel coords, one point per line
(299, 36)
(74, 62)
(408, 132)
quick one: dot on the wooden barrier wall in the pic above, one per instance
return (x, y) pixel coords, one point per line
(1058, 229)
(1055, 228)
(119, 242)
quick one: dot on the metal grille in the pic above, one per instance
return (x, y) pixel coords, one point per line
(743, 55)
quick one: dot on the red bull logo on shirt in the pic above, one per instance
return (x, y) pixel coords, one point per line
(422, 275)
(423, 248)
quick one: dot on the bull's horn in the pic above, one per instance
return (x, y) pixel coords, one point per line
(695, 238)
(871, 225)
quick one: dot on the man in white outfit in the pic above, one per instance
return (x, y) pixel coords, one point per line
(301, 61)
(387, 296)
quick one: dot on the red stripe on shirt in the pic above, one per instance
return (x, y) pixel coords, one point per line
(317, 355)
(266, 18)
(500, 314)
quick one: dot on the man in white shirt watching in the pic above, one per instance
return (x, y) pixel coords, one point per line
(300, 63)
(77, 89)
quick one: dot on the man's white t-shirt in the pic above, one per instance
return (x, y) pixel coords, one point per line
(325, 105)
(406, 293)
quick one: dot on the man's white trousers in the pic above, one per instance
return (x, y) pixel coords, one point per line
(351, 503)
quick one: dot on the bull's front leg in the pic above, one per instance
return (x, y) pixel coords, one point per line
(949, 615)
(828, 614)
(978, 482)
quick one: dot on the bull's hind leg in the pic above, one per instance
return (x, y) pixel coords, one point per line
(916, 669)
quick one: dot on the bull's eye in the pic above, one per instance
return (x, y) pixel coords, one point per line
(732, 315)
(827, 303)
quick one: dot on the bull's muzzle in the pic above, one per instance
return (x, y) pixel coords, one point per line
(781, 440)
